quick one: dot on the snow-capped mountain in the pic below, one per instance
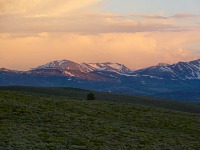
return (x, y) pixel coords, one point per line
(81, 71)
(97, 71)
(180, 71)
(161, 80)
(64, 65)
(68, 67)
(108, 66)
(65, 68)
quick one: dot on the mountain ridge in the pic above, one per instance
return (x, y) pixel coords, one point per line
(179, 71)
(155, 81)
(85, 67)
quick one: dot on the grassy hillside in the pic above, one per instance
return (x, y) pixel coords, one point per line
(80, 94)
(33, 121)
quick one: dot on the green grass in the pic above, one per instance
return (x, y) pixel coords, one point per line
(31, 121)
(79, 94)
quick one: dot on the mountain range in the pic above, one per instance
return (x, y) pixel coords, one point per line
(180, 81)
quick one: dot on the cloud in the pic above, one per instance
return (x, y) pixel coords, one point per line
(82, 23)
(136, 50)
(32, 18)
(45, 30)
(181, 16)
(149, 16)
(92, 23)
(43, 7)
(154, 16)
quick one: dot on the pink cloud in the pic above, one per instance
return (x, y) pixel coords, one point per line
(149, 16)
(136, 50)
(184, 16)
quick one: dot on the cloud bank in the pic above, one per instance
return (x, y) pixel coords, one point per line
(39, 31)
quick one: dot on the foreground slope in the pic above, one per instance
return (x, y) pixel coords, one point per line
(49, 122)
(80, 94)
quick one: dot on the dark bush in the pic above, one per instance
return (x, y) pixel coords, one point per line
(90, 96)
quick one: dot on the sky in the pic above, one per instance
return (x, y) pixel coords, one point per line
(137, 33)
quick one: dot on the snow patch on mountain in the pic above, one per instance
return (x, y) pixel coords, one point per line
(112, 67)
(64, 65)
(182, 71)
(69, 74)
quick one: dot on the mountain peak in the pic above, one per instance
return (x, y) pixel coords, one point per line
(86, 67)
(162, 64)
(181, 70)
(108, 66)
(64, 65)
(3, 69)
(6, 70)
(196, 62)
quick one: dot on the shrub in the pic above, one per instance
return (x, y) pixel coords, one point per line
(90, 96)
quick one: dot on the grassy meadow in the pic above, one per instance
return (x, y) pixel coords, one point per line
(53, 120)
